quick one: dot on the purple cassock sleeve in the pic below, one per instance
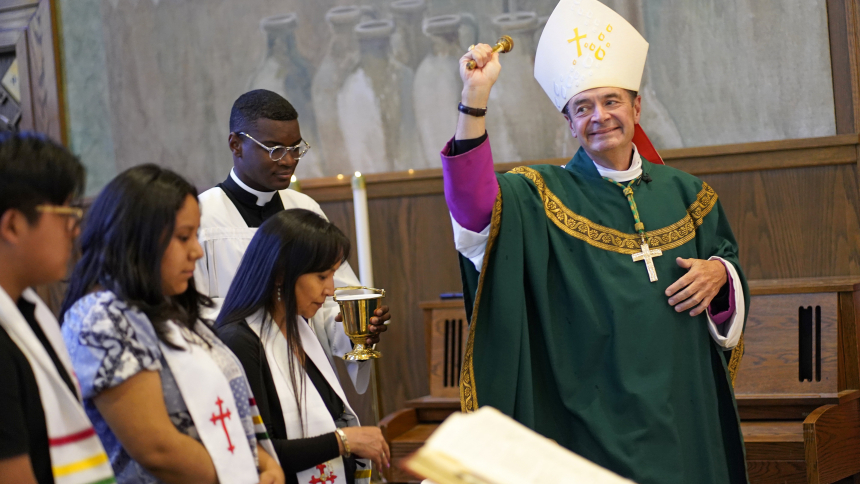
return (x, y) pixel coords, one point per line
(725, 311)
(470, 185)
(471, 189)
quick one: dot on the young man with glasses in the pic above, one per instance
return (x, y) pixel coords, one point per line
(266, 143)
(45, 434)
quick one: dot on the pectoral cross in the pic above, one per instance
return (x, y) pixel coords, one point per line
(648, 256)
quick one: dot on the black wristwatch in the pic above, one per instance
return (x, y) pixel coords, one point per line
(477, 112)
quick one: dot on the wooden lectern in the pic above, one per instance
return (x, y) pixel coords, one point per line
(798, 387)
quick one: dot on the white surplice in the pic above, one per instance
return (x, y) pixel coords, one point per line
(472, 246)
(225, 236)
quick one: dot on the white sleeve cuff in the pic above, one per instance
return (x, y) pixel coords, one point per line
(471, 245)
(729, 333)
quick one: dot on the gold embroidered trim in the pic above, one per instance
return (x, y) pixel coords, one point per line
(468, 392)
(606, 238)
(735, 360)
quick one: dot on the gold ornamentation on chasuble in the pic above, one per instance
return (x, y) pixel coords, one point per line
(705, 202)
(606, 238)
(468, 393)
(735, 360)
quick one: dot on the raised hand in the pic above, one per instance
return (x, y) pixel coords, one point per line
(480, 79)
(477, 83)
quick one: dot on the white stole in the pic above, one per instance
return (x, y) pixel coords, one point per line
(77, 455)
(315, 414)
(210, 402)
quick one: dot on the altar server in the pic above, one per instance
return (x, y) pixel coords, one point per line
(266, 143)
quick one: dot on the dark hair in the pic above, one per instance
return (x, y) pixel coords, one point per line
(35, 169)
(125, 234)
(287, 245)
(566, 109)
(257, 104)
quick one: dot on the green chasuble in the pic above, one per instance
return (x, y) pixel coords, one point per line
(570, 338)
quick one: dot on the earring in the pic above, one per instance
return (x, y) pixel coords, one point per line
(279, 294)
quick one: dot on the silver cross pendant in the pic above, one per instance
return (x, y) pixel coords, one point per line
(648, 256)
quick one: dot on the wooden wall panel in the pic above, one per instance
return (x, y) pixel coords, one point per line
(22, 54)
(29, 28)
(44, 73)
(801, 222)
(839, 21)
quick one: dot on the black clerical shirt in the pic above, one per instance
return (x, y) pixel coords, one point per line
(246, 203)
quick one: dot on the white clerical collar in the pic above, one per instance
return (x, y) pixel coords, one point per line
(626, 175)
(262, 197)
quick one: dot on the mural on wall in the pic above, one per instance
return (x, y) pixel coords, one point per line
(376, 82)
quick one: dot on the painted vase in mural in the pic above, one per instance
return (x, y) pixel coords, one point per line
(375, 105)
(437, 85)
(340, 60)
(408, 44)
(655, 118)
(543, 8)
(287, 73)
(534, 126)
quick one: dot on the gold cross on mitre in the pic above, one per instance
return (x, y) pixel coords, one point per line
(585, 45)
(648, 256)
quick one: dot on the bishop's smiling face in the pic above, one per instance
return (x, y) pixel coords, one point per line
(253, 164)
(603, 119)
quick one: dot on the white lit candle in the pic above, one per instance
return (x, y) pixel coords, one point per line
(362, 230)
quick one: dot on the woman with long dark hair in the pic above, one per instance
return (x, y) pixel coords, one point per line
(169, 401)
(285, 276)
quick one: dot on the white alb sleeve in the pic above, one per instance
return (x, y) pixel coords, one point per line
(471, 245)
(729, 333)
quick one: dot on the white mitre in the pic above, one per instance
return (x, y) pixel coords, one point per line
(585, 45)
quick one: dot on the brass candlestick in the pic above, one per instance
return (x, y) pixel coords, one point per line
(505, 44)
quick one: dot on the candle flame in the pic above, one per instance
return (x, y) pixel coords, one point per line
(340, 176)
(358, 174)
(293, 179)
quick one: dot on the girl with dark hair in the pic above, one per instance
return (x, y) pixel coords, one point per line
(169, 401)
(284, 278)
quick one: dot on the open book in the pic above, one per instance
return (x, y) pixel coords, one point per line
(488, 447)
